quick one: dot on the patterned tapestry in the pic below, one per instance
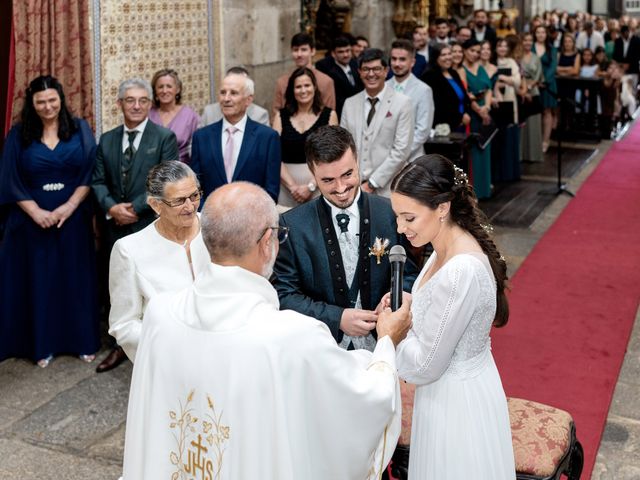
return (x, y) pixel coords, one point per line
(135, 38)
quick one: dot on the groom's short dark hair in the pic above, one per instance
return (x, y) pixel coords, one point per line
(328, 144)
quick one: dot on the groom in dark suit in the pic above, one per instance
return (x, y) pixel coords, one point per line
(330, 268)
(327, 268)
(123, 160)
(236, 147)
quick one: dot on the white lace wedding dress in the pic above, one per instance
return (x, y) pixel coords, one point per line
(460, 427)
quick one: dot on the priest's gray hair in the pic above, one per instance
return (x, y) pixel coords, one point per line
(164, 173)
(234, 218)
(134, 83)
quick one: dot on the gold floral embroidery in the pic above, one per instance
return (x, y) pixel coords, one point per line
(193, 458)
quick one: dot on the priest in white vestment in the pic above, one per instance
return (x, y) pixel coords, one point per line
(226, 386)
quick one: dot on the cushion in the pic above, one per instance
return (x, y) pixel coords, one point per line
(407, 391)
(541, 436)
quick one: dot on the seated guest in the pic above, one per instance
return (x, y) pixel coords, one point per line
(48, 303)
(342, 67)
(168, 111)
(165, 256)
(450, 100)
(236, 147)
(402, 59)
(303, 48)
(303, 113)
(257, 393)
(213, 113)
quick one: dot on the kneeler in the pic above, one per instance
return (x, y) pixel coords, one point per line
(400, 458)
(544, 440)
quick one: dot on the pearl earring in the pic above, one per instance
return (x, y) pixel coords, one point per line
(441, 219)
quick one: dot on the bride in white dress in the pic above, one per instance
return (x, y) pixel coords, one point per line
(460, 428)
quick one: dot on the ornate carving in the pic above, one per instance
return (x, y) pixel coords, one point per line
(407, 14)
(326, 19)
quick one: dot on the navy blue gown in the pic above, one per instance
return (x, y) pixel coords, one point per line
(47, 276)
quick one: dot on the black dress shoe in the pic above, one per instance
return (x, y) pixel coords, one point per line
(115, 358)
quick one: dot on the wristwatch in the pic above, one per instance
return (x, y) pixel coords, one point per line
(312, 187)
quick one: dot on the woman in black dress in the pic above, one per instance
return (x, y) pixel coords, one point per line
(303, 113)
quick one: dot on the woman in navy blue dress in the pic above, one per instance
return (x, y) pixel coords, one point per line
(47, 261)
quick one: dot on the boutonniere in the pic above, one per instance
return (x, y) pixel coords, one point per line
(379, 248)
(388, 114)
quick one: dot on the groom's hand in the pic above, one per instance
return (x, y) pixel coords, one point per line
(356, 322)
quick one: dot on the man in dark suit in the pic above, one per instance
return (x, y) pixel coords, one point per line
(343, 69)
(330, 268)
(483, 29)
(626, 51)
(123, 159)
(236, 147)
(331, 240)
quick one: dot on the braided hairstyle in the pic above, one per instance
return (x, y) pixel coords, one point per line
(432, 180)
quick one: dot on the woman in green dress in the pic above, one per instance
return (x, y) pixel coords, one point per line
(479, 85)
(548, 56)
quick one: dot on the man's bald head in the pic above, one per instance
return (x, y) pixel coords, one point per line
(234, 219)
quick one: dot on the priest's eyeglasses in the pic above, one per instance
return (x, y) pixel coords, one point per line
(178, 202)
(283, 233)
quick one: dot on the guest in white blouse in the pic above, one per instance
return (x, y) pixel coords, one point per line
(166, 256)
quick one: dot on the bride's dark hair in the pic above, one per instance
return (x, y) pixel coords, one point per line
(432, 180)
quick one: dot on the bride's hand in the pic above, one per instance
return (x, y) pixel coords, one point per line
(385, 302)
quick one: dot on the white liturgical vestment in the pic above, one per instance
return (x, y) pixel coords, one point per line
(226, 386)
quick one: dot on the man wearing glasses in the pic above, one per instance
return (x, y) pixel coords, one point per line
(123, 159)
(381, 122)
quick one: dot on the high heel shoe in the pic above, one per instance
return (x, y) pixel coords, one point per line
(87, 358)
(44, 362)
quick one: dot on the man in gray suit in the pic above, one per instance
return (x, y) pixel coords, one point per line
(212, 113)
(402, 60)
(123, 159)
(381, 122)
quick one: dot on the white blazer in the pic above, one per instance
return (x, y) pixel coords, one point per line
(383, 147)
(143, 265)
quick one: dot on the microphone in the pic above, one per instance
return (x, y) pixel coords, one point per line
(397, 257)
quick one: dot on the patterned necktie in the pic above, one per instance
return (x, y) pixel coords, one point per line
(228, 153)
(343, 222)
(372, 112)
(129, 153)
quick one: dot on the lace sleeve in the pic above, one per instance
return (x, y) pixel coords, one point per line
(443, 315)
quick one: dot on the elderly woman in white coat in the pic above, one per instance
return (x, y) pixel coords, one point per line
(165, 256)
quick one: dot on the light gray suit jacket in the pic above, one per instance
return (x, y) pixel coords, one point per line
(383, 146)
(421, 97)
(212, 114)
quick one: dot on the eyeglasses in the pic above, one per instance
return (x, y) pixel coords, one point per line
(178, 202)
(377, 70)
(131, 101)
(283, 233)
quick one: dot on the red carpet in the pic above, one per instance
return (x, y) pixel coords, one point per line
(574, 300)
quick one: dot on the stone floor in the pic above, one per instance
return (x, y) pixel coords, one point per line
(67, 422)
